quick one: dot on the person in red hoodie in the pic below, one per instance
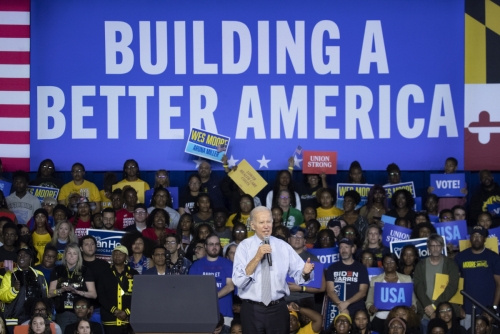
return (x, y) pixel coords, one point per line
(82, 220)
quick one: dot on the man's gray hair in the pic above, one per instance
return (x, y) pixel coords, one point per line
(436, 238)
(257, 210)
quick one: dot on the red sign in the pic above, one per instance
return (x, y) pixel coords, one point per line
(317, 162)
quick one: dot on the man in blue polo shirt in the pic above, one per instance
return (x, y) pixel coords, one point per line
(222, 269)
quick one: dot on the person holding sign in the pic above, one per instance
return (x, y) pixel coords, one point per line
(424, 279)
(480, 268)
(353, 273)
(402, 203)
(45, 177)
(390, 275)
(487, 193)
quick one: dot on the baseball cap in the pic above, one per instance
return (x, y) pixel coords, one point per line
(346, 241)
(334, 223)
(122, 249)
(481, 230)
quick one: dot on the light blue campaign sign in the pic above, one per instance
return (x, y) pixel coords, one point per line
(42, 192)
(316, 279)
(330, 310)
(394, 233)
(207, 145)
(420, 244)
(106, 241)
(493, 232)
(362, 190)
(388, 295)
(327, 256)
(448, 185)
(388, 220)
(5, 187)
(390, 189)
(116, 74)
(434, 219)
(453, 231)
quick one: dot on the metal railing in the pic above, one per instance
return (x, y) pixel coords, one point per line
(475, 304)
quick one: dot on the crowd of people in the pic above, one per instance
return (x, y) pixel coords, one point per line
(52, 281)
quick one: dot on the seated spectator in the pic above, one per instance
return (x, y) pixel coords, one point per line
(21, 202)
(350, 232)
(361, 323)
(158, 222)
(315, 324)
(140, 219)
(140, 249)
(482, 325)
(239, 234)
(277, 214)
(403, 222)
(39, 325)
(325, 239)
(178, 264)
(39, 307)
(14, 294)
(283, 181)
(393, 174)
(281, 231)
(312, 227)
(188, 198)
(81, 187)
(408, 260)
(421, 217)
(351, 215)
(423, 230)
(431, 205)
(125, 216)
(230, 251)
(446, 215)
(49, 203)
(203, 211)
(160, 257)
(367, 259)
(291, 216)
(235, 327)
(199, 250)
(242, 215)
(487, 193)
(107, 191)
(4, 210)
(493, 326)
(83, 211)
(117, 201)
(373, 243)
(41, 234)
(201, 232)
(225, 234)
(163, 200)
(376, 206)
(309, 213)
(83, 310)
(459, 212)
(96, 221)
(397, 325)
(402, 203)
(46, 176)
(327, 210)
(60, 213)
(408, 315)
(8, 251)
(48, 263)
(446, 312)
(64, 234)
(335, 225)
(132, 174)
(342, 324)
(356, 173)
(185, 230)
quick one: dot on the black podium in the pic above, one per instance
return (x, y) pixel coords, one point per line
(174, 304)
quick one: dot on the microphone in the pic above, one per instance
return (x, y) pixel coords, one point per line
(268, 256)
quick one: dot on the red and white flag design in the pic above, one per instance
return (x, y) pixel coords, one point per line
(15, 84)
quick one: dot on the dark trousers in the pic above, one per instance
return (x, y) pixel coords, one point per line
(125, 329)
(260, 319)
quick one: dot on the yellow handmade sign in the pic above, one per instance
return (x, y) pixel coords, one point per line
(440, 284)
(491, 244)
(247, 178)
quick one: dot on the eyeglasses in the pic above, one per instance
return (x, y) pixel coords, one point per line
(349, 233)
(170, 242)
(47, 204)
(245, 202)
(239, 231)
(389, 262)
(394, 174)
(198, 247)
(47, 167)
(445, 310)
(130, 167)
(367, 258)
(161, 176)
(78, 307)
(285, 197)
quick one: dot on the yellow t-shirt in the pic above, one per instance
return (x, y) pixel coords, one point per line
(39, 241)
(87, 189)
(324, 215)
(307, 329)
(105, 202)
(245, 219)
(139, 185)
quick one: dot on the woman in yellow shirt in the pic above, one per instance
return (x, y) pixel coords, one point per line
(41, 233)
(326, 197)
(131, 174)
(243, 214)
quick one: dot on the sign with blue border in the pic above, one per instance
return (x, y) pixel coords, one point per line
(206, 144)
(448, 185)
(388, 295)
(106, 241)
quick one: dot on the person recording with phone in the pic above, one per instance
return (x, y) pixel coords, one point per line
(20, 285)
(261, 281)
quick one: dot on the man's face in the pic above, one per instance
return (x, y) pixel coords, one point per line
(213, 247)
(20, 184)
(450, 167)
(220, 219)
(97, 221)
(394, 176)
(159, 257)
(204, 170)
(297, 241)
(262, 223)
(49, 259)
(171, 245)
(9, 236)
(81, 309)
(23, 260)
(435, 248)
(130, 198)
(77, 173)
(108, 219)
(88, 247)
(486, 178)
(477, 241)
(345, 252)
(47, 169)
(140, 215)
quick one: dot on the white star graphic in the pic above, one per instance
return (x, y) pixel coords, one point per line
(198, 162)
(263, 162)
(296, 161)
(232, 162)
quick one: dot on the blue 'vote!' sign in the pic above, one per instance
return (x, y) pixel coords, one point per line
(388, 295)
(452, 231)
(448, 185)
(327, 256)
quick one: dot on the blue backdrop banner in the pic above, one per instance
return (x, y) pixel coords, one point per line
(122, 79)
